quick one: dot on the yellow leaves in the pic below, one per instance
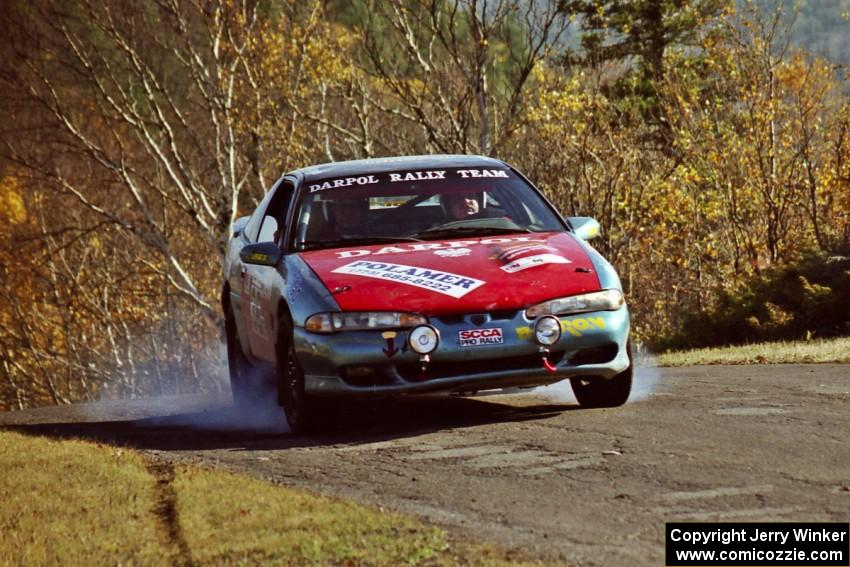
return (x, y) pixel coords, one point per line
(813, 292)
(600, 10)
(12, 208)
(689, 174)
(308, 51)
(777, 316)
(559, 103)
(792, 74)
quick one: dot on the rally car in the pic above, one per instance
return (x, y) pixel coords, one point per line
(414, 275)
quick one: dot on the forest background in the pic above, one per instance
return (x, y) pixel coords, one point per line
(710, 138)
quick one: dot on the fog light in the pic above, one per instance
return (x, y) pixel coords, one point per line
(423, 339)
(547, 330)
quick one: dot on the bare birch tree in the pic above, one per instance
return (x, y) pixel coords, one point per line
(145, 94)
(458, 71)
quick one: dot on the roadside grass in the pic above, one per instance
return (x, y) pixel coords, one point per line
(794, 352)
(72, 503)
(80, 503)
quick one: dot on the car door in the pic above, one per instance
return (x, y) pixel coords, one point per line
(259, 281)
(238, 271)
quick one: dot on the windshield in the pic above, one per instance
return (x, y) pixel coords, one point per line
(418, 205)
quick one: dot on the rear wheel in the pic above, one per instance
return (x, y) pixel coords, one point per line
(595, 392)
(246, 379)
(302, 410)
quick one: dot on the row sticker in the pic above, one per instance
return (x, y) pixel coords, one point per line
(575, 327)
(435, 280)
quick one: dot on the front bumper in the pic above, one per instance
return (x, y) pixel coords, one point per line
(372, 363)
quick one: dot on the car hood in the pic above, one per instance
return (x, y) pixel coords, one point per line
(460, 275)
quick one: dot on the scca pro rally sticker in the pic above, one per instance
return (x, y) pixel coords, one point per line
(478, 337)
(435, 280)
(532, 261)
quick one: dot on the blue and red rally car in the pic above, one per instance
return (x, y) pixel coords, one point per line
(411, 275)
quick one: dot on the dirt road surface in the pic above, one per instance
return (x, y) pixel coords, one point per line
(533, 471)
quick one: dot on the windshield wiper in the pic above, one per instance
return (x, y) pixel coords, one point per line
(357, 241)
(469, 230)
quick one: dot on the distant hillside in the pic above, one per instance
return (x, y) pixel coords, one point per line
(821, 26)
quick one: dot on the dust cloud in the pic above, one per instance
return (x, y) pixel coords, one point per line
(261, 414)
(201, 411)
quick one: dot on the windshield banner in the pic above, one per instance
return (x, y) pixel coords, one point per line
(426, 175)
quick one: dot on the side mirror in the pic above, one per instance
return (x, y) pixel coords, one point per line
(239, 225)
(261, 254)
(585, 228)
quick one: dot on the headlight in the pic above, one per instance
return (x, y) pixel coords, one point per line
(605, 300)
(361, 321)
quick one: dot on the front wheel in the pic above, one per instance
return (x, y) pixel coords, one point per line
(302, 410)
(594, 392)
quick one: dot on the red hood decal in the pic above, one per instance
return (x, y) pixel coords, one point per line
(470, 275)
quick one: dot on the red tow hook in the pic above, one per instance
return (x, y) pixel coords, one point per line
(544, 353)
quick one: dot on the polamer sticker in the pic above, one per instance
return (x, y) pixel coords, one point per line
(532, 261)
(478, 337)
(434, 280)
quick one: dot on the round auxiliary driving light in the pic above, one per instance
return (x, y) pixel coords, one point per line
(547, 330)
(423, 339)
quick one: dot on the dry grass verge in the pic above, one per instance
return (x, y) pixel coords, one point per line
(794, 352)
(78, 503)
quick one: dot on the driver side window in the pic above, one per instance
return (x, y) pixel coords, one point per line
(274, 221)
(268, 231)
(252, 228)
(269, 220)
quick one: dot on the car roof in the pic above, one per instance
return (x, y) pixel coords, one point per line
(380, 165)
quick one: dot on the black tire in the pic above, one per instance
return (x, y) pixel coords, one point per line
(595, 392)
(302, 410)
(247, 381)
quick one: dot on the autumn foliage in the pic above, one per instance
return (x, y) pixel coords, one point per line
(714, 152)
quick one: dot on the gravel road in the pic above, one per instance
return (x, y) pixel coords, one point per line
(533, 471)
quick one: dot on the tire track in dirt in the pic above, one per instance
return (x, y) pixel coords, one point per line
(165, 510)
